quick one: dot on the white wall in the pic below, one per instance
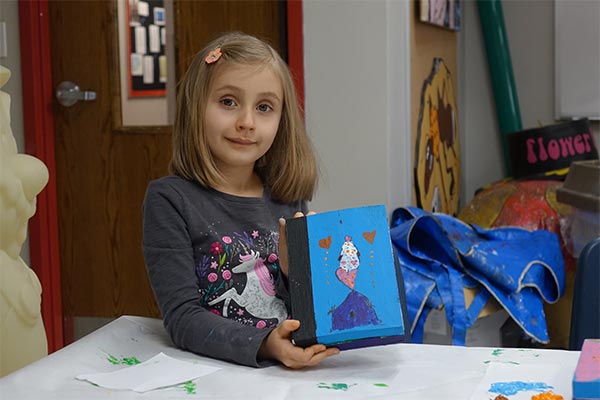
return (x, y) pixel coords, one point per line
(348, 84)
(530, 34)
(357, 101)
(9, 13)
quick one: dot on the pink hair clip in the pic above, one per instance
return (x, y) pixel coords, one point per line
(213, 56)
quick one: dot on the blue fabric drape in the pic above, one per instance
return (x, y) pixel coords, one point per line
(440, 255)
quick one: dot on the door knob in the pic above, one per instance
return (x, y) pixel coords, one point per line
(68, 93)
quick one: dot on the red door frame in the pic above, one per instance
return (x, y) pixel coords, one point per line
(38, 124)
(38, 98)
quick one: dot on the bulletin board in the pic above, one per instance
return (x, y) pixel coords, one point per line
(431, 45)
(147, 61)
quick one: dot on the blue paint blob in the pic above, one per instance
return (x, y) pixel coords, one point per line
(510, 388)
(356, 310)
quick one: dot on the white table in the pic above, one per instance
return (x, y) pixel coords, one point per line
(404, 371)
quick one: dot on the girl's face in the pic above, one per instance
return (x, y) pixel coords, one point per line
(242, 114)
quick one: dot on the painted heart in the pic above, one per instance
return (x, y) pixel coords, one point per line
(346, 277)
(325, 243)
(369, 236)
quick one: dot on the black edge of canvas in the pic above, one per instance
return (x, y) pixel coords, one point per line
(402, 294)
(300, 282)
(368, 342)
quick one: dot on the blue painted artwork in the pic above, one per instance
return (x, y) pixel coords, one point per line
(354, 283)
(514, 387)
(355, 310)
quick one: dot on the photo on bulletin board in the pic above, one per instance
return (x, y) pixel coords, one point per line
(146, 48)
(444, 13)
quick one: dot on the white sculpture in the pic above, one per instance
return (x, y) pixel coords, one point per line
(22, 177)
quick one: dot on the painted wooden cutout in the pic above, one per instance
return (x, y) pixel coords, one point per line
(437, 152)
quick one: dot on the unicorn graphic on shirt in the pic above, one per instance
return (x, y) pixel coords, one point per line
(258, 296)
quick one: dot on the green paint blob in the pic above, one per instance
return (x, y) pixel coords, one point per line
(507, 362)
(529, 351)
(130, 361)
(380, 385)
(190, 387)
(122, 361)
(497, 352)
(112, 359)
(334, 386)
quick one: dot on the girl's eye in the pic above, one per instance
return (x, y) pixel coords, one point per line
(228, 102)
(264, 107)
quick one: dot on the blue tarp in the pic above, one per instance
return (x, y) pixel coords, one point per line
(440, 255)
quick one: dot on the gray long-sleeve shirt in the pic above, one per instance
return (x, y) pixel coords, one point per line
(212, 260)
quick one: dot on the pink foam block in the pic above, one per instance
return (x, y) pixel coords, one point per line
(586, 382)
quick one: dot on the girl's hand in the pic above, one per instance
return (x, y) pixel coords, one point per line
(283, 250)
(278, 346)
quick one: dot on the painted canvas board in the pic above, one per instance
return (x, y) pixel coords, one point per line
(345, 286)
(586, 380)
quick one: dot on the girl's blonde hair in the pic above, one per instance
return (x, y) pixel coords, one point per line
(288, 168)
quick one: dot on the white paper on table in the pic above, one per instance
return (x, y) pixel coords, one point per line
(159, 371)
(539, 375)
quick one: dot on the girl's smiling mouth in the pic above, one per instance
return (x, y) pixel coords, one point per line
(241, 141)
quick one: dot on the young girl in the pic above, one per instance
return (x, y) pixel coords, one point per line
(241, 162)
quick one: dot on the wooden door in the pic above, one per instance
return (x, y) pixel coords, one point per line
(102, 169)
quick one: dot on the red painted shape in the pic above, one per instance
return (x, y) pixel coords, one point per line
(529, 207)
(296, 46)
(38, 96)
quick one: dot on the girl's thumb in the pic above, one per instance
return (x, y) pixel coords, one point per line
(291, 325)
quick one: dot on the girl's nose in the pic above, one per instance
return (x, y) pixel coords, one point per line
(246, 120)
